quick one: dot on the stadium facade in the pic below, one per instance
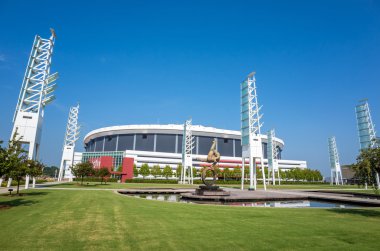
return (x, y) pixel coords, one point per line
(162, 145)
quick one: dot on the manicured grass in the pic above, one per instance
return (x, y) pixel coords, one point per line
(104, 220)
(160, 185)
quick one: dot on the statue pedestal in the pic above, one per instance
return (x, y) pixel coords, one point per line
(210, 191)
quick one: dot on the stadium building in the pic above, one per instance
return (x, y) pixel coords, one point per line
(162, 145)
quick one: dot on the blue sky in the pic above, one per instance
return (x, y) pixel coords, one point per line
(137, 62)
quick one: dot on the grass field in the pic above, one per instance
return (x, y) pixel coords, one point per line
(104, 220)
(153, 185)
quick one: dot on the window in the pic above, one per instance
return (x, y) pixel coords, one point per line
(165, 143)
(238, 147)
(204, 144)
(125, 142)
(110, 143)
(225, 147)
(144, 142)
(99, 144)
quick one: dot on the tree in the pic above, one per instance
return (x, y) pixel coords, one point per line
(156, 171)
(367, 167)
(144, 170)
(3, 166)
(178, 170)
(167, 171)
(16, 159)
(35, 169)
(50, 171)
(227, 173)
(135, 171)
(82, 170)
(102, 173)
(195, 172)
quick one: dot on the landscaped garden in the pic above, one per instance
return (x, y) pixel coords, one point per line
(101, 220)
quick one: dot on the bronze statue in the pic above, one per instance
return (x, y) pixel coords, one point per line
(213, 157)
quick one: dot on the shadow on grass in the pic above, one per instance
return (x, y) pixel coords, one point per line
(16, 202)
(361, 212)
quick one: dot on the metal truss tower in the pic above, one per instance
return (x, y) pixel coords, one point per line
(36, 92)
(272, 158)
(250, 131)
(71, 136)
(187, 159)
(367, 133)
(336, 172)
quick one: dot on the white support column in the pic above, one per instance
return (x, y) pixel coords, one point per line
(250, 128)
(71, 136)
(36, 92)
(242, 172)
(187, 157)
(336, 172)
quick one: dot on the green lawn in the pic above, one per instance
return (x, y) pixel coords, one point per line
(158, 185)
(104, 220)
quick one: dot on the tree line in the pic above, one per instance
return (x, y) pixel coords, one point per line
(296, 174)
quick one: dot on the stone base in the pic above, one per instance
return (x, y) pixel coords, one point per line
(210, 191)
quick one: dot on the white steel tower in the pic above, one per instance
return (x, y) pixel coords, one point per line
(250, 131)
(187, 159)
(71, 136)
(367, 133)
(36, 92)
(272, 151)
(336, 172)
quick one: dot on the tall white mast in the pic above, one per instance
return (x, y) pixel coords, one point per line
(272, 151)
(187, 159)
(336, 172)
(250, 131)
(36, 92)
(71, 136)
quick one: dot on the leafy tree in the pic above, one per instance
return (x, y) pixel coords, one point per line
(4, 169)
(195, 172)
(237, 172)
(156, 171)
(16, 160)
(167, 171)
(102, 173)
(144, 170)
(82, 170)
(19, 171)
(135, 171)
(178, 170)
(227, 173)
(367, 167)
(50, 171)
(35, 168)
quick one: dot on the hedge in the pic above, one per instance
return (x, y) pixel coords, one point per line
(95, 179)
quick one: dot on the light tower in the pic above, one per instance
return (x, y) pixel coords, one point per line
(272, 157)
(187, 159)
(36, 92)
(367, 133)
(336, 172)
(250, 131)
(71, 136)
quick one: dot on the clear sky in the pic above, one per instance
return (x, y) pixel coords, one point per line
(140, 62)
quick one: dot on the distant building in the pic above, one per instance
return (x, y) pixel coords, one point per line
(162, 145)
